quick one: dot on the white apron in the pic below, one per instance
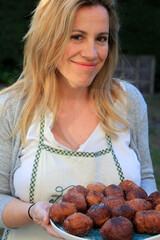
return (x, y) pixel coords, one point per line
(54, 170)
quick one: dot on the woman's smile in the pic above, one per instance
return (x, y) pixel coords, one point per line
(87, 48)
(88, 66)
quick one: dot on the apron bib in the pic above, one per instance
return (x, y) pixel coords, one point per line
(54, 170)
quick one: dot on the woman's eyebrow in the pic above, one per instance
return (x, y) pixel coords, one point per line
(77, 30)
(103, 33)
(83, 32)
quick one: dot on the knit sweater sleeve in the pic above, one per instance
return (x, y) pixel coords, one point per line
(6, 127)
(9, 149)
(138, 117)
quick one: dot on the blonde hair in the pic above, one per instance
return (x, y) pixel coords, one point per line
(45, 44)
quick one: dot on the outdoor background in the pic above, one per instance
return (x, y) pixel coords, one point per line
(139, 35)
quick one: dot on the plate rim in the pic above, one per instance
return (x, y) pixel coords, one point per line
(154, 237)
(73, 237)
(65, 234)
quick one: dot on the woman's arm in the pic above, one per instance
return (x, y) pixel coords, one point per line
(147, 176)
(138, 116)
(15, 215)
(5, 159)
(14, 212)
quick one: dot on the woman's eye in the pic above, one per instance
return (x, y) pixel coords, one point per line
(76, 37)
(102, 39)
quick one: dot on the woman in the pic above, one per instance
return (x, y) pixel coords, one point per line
(69, 122)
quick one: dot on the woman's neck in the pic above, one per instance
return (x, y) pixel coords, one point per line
(72, 94)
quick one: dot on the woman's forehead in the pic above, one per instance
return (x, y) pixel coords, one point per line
(89, 16)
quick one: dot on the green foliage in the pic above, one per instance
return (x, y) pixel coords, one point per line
(14, 21)
(1, 233)
(153, 103)
(9, 78)
(6, 77)
(155, 152)
(139, 33)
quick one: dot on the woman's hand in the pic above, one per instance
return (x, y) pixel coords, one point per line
(15, 215)
(40, 214)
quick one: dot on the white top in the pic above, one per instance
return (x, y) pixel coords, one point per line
(96, 142)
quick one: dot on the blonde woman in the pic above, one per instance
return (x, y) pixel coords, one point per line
(66, 121)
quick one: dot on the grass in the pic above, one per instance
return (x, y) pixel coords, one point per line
(153, 103)
(155, 152)
(1, 232)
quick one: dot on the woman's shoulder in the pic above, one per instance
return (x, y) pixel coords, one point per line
(137, 104)
(132, 92)
(10, 106)
(10, 98)
(3, 98)
(134, 95)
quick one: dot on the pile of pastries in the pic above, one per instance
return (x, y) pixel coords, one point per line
(117, 210)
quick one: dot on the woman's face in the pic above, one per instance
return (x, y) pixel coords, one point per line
(87, 48)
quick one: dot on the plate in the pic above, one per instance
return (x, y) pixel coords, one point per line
(61, 232)
(94, 234)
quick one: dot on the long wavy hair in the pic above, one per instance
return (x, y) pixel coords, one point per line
(45, 43)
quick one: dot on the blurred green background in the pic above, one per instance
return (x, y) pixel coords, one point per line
(139, 35)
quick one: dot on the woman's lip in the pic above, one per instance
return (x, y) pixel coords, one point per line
(86, 65)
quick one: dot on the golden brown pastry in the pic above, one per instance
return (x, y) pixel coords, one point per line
(79, 188)
(136, 193)
(147, 222)
(114, 190)
(97, 186)
(78, 224)
(139, 204)
(154, 198)
(157, 208)
(77, 198)
(99, 213)
(122, 210)
(128, 185)
(117, 228)
(94, 197)
(113, 201)
(60, 211)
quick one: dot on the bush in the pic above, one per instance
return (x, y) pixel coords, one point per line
(8, 78)
(139, 33)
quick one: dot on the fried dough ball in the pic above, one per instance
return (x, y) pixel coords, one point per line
(122, 210)
(136, 193)
(139, 204)
(147, 222)
(114, 190)
(79, 188)
(157, 208)
(77, 198)
(117, 228)
(78, 224)
(113, 201)
(94, 197)
(99, 213)
(97, 186)
(128, 185)
(60, 211)
(154, 198)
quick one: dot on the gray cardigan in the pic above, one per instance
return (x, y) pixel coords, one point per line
(11, 147)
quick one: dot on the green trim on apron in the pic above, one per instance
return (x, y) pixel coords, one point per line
(67, 153)
(6, 234)
(36, 161)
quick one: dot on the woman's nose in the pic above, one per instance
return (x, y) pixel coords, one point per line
(89, 50)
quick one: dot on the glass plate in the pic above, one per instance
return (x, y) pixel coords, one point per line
(94, 234)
